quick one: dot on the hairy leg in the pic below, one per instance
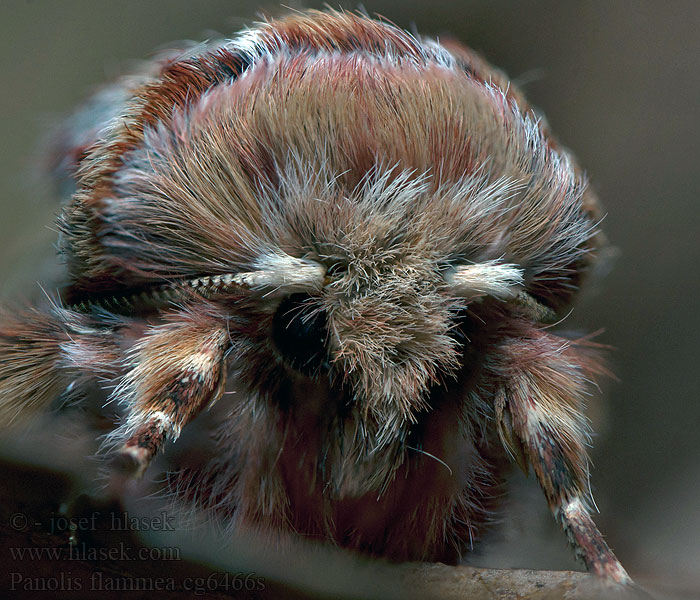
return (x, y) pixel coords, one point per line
(172, 371)
(175, 370)
(539, 400)
(51, 353)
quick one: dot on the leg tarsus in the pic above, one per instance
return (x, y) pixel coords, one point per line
(588, 542)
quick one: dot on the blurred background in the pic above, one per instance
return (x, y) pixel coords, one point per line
(619, 83)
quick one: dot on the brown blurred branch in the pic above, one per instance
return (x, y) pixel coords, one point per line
(472, 583)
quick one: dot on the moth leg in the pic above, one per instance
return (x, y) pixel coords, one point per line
(176, 369)
(540, 421)
(48, 352)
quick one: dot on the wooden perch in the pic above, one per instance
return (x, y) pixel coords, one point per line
(448, 583)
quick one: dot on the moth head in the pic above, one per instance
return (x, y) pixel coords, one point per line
(375, 312)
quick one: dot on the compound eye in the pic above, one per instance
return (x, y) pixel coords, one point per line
(299, 333)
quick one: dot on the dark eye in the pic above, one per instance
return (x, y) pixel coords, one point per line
(299, 333)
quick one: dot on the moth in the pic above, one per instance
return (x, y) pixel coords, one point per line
(367, 235)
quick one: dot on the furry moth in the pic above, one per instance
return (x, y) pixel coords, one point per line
(364, 232)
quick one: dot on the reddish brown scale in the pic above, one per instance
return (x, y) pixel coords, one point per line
(178, 83)
(345, 32)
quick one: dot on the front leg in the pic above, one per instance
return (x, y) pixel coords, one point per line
(540, 420)
(176, 369)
